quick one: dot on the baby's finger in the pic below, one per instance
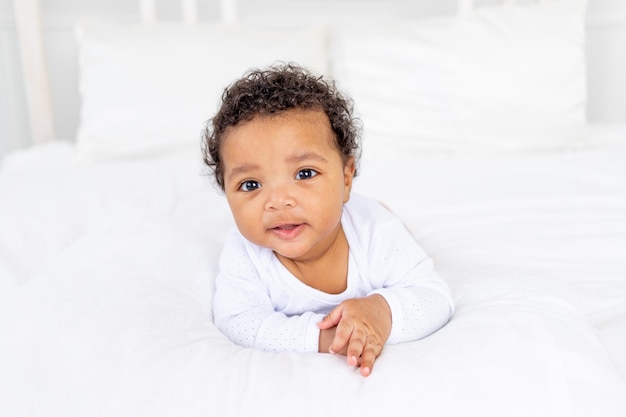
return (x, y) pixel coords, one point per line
(356, 345)
(368, 357)
(343, 334)
(332, 318)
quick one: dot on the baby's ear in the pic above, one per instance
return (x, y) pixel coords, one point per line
(350, 166)
(349, 170)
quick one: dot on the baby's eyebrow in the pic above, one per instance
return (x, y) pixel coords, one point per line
(242, 169)
(305, 156)
(299, 157)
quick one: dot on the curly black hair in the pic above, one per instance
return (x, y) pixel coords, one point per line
(275, 89)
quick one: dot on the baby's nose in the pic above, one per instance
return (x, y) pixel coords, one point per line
(280, 197)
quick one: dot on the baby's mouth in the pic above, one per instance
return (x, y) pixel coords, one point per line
(286, 227)
(287, 231)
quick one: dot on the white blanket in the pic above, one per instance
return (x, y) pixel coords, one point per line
(107, 276)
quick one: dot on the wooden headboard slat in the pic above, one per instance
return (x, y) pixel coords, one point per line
(35, 70)
(189, 11)
(147, 11)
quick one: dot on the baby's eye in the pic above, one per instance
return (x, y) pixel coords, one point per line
(305, 174)
(249, 185)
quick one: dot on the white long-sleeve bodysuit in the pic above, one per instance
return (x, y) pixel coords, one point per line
(259, 303)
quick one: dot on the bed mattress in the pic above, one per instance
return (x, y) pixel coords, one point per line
(106, 283)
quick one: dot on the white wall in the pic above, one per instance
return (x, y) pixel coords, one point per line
(606, 60)
(606, 48)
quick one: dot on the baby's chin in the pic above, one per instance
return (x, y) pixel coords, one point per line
(293, 253)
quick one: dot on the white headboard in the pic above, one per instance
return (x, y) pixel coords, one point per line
(189, 11)
(37, 91)
(35, 74)
(38, 100)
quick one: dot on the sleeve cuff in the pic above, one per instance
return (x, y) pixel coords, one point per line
(396, 313)
(312, 335)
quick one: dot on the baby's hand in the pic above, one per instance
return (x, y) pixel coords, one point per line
(363, 327)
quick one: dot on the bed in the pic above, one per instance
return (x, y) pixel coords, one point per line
(474, 134)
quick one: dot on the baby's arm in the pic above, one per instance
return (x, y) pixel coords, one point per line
(244, 311)
(357, 328)
(245, 314)
(360, 327)
(417, 302)
(420, 301)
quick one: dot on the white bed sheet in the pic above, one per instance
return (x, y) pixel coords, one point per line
(107, 281)
(559, 215)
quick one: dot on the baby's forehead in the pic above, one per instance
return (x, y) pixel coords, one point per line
(281, 131)
(315, 118)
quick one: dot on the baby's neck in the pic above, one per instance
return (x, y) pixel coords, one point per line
(327, 273)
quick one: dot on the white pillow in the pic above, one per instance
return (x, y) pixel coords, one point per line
(508, 78)
(148, 89)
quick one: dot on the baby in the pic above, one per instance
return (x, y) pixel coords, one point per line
(311, 267)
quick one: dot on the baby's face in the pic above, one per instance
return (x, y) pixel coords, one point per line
(286, 182)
